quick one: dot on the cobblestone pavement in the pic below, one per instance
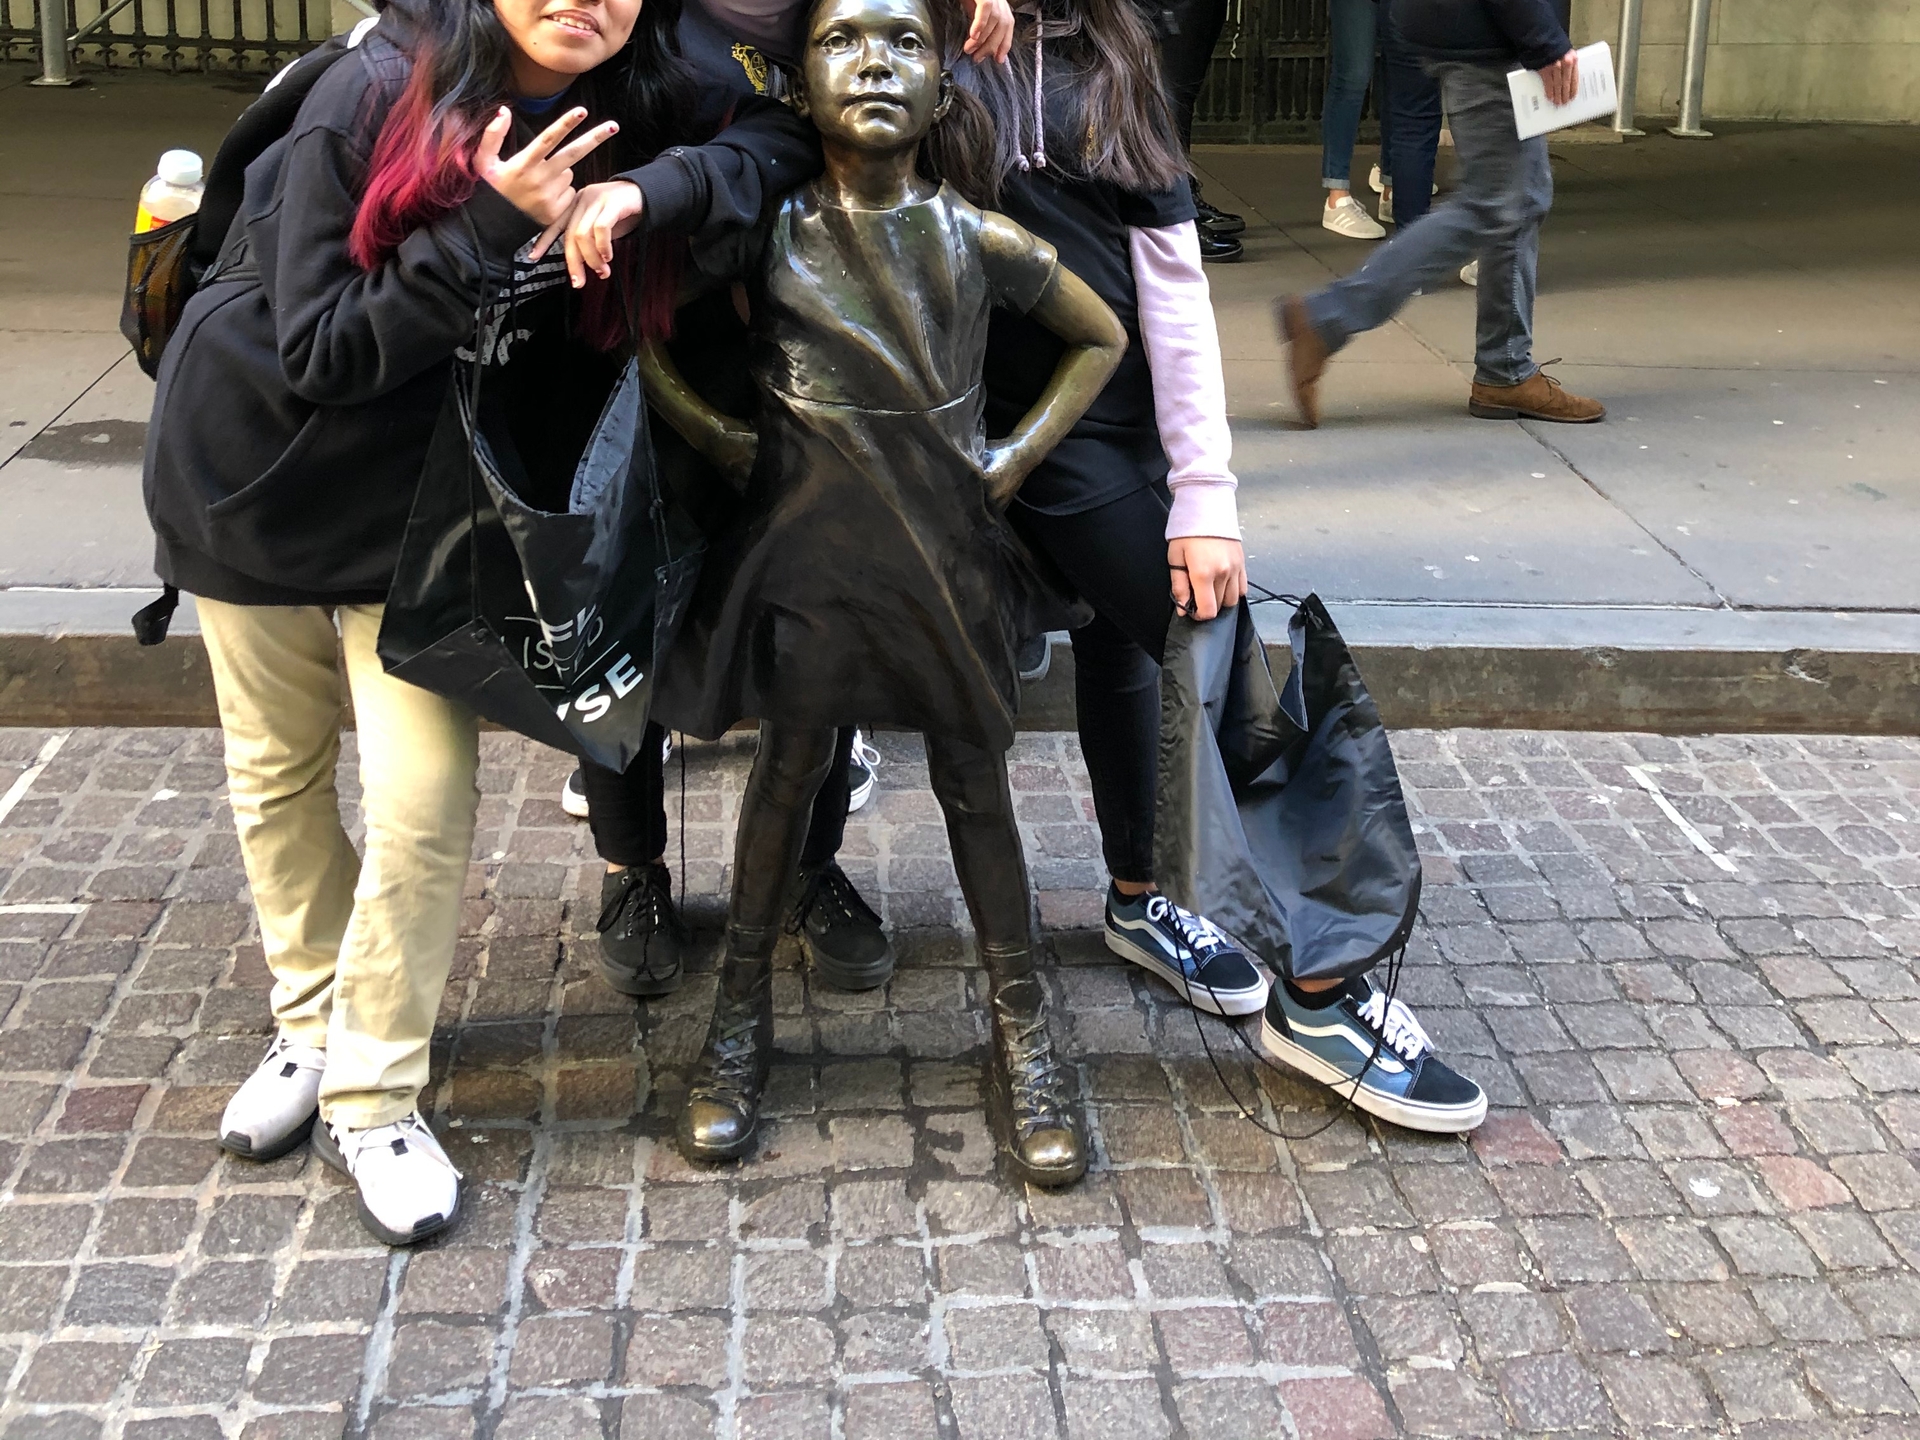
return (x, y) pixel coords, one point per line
(1691, 1211)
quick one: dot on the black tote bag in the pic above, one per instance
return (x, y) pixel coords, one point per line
(549, 623)
(1280, 813)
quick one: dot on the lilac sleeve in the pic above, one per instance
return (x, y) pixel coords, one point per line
(1189, 393)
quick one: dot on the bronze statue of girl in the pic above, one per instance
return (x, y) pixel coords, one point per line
(871, 576)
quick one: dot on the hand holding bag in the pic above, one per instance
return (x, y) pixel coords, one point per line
(1280, 814)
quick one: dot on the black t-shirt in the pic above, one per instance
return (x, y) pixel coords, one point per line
(547, 380)
(1115, 448)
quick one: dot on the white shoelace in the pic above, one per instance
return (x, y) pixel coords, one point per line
(1201, 934)
(865, 753)
(401, 1136)
(304, 1057)
(1392, 1020)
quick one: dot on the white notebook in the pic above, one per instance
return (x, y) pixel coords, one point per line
(1535, 115)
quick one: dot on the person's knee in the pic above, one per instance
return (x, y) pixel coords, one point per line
(1107, 663)
(968, 780)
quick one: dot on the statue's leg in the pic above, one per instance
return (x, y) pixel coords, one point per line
(1044, 1133)
(723, 1102)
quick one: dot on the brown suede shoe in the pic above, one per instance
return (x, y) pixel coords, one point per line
(1538, 397)
(1306, 356)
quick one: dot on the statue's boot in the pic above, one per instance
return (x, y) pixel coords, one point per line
(1045, 1136)
(723, 1102)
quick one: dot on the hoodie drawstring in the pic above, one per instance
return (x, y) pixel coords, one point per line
(1038, 161)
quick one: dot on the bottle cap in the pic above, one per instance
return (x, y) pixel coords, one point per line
(180, 167)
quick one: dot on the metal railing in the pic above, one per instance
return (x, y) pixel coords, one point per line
(1269, 75)
(244, 35)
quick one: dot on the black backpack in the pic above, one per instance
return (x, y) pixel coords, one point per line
(165, 264)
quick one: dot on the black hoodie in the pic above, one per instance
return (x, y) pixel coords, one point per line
(297, 396)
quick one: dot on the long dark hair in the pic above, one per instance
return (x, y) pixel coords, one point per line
(960, 149)
(422, 161)
(1117, 126)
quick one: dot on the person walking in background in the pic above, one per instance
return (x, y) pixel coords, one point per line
(1505, 191)
(1189, 29)
(1410, 122)
(1350, 50)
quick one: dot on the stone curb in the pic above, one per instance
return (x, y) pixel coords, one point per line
(66, 658)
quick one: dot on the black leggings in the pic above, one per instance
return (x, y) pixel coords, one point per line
(1115, 556)
(628, 813)
(1187, 52)
(971, 785)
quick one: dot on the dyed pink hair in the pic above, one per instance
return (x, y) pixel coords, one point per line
(422, 167)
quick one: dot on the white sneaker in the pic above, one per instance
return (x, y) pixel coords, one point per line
(274, 1109)
(1378, 182)
(1346, 216)
(408, 1187)
(866, 760)
(1470, 273)
(1386, 207)
(573, 794)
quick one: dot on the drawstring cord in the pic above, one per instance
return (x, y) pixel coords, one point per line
(1038, 160)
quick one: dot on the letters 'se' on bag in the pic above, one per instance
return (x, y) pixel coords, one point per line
(1281, 816)
(548, 623)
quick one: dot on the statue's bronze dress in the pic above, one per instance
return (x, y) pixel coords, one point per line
(868, 580)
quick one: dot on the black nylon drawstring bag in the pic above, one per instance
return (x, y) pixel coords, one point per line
(1280, 814)
(550, 623)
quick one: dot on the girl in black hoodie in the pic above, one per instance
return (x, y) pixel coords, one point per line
(294, 409)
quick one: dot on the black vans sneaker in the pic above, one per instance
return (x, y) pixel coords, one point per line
(849, 949)
(1360, 1042)
(642, 937)
(1186, 950)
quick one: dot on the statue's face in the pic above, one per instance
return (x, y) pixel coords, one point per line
(872, 73)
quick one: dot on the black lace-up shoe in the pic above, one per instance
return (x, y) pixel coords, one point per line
(642, 937)
(843, 937)
(1216, 221)
(1219, 249)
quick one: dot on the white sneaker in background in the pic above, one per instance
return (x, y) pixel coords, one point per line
(1374, 181)
(1346, 216)
(866, 760)
(573, 795)
(274, 1108)
(1470, 273)
(408, 1187)
(1386, 207)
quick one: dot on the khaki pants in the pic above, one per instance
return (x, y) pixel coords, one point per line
(359, 949)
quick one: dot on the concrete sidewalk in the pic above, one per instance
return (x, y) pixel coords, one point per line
(1733, 547)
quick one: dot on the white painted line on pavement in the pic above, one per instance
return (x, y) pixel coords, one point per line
(42, 909)
(18, 790)
(1685, 826)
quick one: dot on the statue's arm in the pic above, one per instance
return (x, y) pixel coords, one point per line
(1095, 342)
(729, 443)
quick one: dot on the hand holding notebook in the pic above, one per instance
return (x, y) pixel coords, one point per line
(1534, 114)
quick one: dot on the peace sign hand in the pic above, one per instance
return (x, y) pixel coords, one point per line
(538, 182)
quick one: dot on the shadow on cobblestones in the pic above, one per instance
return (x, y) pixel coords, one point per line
(1692, 1209)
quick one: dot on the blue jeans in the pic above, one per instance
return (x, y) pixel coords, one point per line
(1349, 71)
(1505, 191)
(1409, 107)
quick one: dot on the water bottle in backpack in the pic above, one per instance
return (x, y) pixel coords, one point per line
(172, 194)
